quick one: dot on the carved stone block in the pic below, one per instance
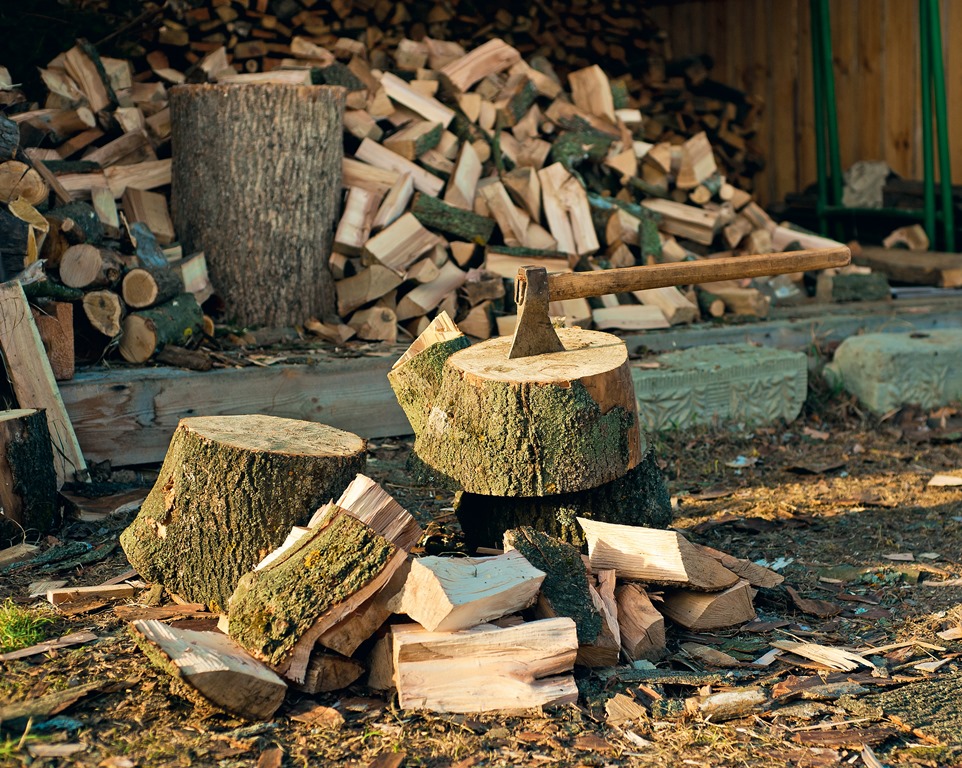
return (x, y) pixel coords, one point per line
(889, 370)
(728, 382)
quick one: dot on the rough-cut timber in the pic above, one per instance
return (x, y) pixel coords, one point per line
(639, 498)
(278, 612)
(255, 185)
(652, 556)
(28, 480)
(565, 590)
(214, 666)
(230, 489)
(549, 424)
(447, 593)
(487, 667)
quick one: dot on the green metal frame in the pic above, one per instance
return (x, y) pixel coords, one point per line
(828, 158)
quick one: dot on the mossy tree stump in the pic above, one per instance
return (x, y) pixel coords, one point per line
(229, 491)
(548, 424)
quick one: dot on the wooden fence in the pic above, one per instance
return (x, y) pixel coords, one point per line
(764, 47)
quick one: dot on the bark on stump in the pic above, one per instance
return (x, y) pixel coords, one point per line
(534, 426)
(229, 491)
(255, 184)
(28, 479)
(639, 498)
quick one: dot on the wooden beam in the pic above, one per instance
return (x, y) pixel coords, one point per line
(33, 381)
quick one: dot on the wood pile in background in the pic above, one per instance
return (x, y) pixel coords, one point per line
(460, 166)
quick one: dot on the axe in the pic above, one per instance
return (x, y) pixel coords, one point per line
(534, 286)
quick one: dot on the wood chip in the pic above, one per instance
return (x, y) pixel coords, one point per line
(76, 638)
(821, 608)
(834, 658)
(944, 481)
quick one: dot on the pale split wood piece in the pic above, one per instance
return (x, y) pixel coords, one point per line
(446, 594)
(642, 625)
(216, 666)
(33, 381)
(653, 555)
(486, 668)
(704, 611)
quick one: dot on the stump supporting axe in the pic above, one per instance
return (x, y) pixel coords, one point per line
(534, 287)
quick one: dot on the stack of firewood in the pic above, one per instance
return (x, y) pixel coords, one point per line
(460, 166)
(678, 96)
(344, 598)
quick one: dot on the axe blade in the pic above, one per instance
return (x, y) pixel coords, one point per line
(533, 333)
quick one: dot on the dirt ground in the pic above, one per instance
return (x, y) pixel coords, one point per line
(839, 496)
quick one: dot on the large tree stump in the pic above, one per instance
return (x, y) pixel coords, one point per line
(230, 490)
(639, 498)
(28, 479)
(533, 426)
(255, 185)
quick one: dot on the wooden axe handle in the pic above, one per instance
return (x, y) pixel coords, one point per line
(580, 285)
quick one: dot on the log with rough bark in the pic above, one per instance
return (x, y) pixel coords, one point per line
(642, 625)
(28, 480)
(485, 668)
(266, 223)
(86, 266)
(566, 421)
(214, 666)
(446, 593)
(224, 498)
(279, 611)
(565, 590)
(705, 611)
(178, 322)
(639, 498)
(104, 310)
(144, 287)
(653, 556)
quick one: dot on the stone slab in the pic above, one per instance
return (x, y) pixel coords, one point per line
(728, 382)
(889, 370)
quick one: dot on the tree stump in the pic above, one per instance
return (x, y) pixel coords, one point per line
(639, 498)
(533, 426)
(230, 490)
(28, 480)
(256, 182)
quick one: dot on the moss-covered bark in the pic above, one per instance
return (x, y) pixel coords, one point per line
(416, 382)
(219, 506)
(456, 222)
(272, 608)
(639, 498)
(523, 439)
(564, 591)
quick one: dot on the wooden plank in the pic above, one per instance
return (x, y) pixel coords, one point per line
(804, 112)
(951, 29)
(845, 32)
(129, 415)
(900, 85)
(784, 110)
(33, 381)
(868, 91)
(761, 86)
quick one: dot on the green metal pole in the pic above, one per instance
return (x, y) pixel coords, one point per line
(828, 73)
(817, 87)
(941, 122)
(928, 163)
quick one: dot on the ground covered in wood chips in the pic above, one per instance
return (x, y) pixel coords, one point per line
(838, 501)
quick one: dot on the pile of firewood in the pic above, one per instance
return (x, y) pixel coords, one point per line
(678, 97)
(343, 597)
(459, 167)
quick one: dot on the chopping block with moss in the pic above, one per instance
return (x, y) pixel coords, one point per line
(557, 423)
(229, 491)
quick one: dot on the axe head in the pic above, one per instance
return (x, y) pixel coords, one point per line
(533, 333)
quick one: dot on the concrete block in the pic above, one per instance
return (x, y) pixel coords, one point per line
(889, 370)
(728, 382)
